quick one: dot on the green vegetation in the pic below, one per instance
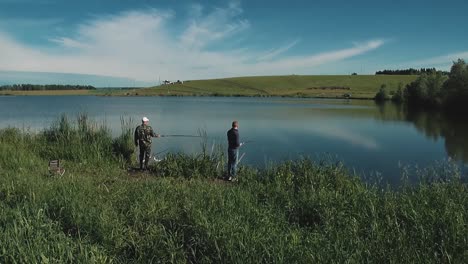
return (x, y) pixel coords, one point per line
(294, 212)
(381, 94)
(358, 86)
(435, 90)
(455, 89)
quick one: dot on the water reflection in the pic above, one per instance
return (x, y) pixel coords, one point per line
(452, 129)
(337, 133)
(365, 136)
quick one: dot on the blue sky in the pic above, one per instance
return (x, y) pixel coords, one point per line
(139, 42)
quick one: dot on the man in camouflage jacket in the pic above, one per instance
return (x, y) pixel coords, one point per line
(143, 138)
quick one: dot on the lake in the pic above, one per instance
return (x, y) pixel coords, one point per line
(373, 140)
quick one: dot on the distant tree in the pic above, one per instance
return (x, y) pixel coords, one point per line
(398, 96)
(426, 90)
(354, 73)
(434, 84)
(381, 94)
(409, 71)
(456, 87)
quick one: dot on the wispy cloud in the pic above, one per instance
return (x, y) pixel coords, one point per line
(444, 60)
(70, 43)
(142, 45)
(275, 52)
(218, 25)
(326, 57)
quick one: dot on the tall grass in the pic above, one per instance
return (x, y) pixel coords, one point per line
(294, 212)
(84, 141)
(123, 146)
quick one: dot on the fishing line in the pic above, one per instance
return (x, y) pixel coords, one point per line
(193, 136)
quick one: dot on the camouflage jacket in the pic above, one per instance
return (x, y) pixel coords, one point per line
(144, 135)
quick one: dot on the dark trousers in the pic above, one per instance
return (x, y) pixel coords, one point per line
(145, 152)
(232, 161)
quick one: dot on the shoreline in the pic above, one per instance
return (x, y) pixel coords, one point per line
(71, 93)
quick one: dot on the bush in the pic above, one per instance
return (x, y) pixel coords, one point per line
(398, 96)
(426, 90)
(381, 94)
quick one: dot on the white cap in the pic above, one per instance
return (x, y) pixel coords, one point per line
(145, 119)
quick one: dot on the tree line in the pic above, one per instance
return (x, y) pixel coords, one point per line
(434, 89)
(410, 71)
(40, 87)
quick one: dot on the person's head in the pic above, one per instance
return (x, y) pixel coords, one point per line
(235, 124)
(145, 120)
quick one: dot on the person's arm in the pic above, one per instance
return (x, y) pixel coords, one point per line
(238, 144)
(135, 137)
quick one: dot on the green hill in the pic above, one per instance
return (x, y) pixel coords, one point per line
(358, 86)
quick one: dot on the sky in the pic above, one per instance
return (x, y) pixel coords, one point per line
(143, 42)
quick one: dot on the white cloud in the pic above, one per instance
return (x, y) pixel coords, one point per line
(142, 45)
(70, 43)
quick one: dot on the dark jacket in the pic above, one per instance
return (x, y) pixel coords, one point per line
(233, 138)
(143, 135)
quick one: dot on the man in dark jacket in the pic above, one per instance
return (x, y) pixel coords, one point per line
(233, 150)
(143, 138)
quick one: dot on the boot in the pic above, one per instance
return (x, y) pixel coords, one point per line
(141, 164)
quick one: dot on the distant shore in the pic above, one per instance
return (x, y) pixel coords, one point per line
(317, 86)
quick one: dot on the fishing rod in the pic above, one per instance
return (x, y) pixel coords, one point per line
(153, 156)
(192, 136)
(243, 154)
(240, 159)
(248, 141)
(160, 152)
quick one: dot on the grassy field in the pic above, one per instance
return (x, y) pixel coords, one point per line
(295, 212)
(359, 86)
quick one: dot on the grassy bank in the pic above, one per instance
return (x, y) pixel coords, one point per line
(328, 86)
(294, 212)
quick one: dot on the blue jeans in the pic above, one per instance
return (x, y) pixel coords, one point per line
(232, 161)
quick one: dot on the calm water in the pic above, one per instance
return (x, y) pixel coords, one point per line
(368, 138)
